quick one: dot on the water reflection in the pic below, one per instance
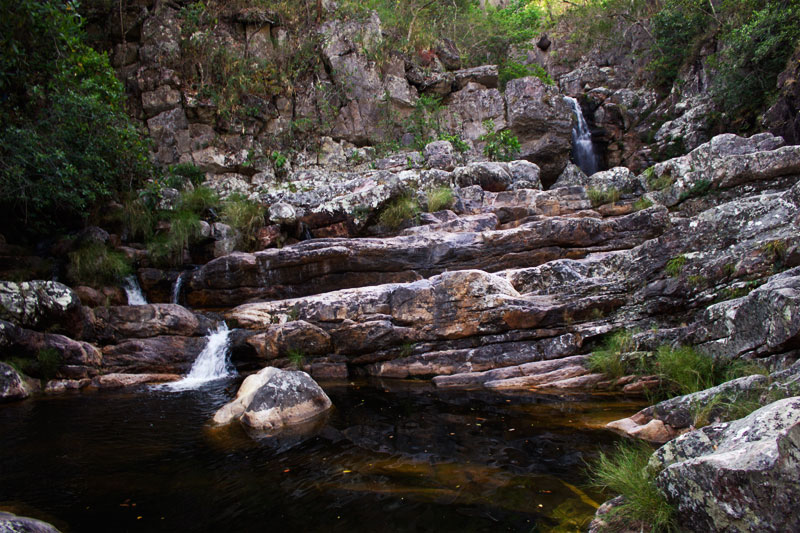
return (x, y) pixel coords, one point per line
(393, 456)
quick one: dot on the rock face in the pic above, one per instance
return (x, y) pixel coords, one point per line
(541, 118)
(114, 324)
(274, 399)
(39, 304)
(12, 387)
(740, 476)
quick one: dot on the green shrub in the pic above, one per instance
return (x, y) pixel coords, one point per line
(676, 28)
(457, 142)
(500, 145)
(600, 197)
(66, 142)
(245, 216)
(185, 172)
(138, 218)
(675, 266)
(700, 188)
(511, 70)
(166, 249)
(440, 198)
(625, 472)
(775, 250)
(94, 264)
(398, 211)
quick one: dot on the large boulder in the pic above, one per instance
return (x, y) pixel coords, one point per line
(740, 476)
(274, 399)
(143, 321)
(40, 305)
(11, 523)
(542, 119)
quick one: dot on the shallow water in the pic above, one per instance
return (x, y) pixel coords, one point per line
(393, 456)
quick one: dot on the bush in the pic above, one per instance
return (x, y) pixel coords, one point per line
(94, 264)
(398, 211)
(66, 143)
(182, 173)
(440, 198)
(245, 216)
(512, 70)
(500, 146)
(625, 472)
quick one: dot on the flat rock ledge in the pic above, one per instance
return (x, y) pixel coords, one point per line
(274, 399)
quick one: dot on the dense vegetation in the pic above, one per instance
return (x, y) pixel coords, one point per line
(66, 143)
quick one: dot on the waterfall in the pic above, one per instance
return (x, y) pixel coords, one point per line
(133, 291)
(211, 364)
(582, 147)
(176, 289)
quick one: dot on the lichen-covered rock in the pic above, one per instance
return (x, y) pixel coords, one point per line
(274, 399)
(39, 304)
(542, 120)
(11, 523)
(12, 386)
(619, 178)
(493, 177)
(524, 175)
(468, 109)
(571, 176)
(440, 154)
(740, 476)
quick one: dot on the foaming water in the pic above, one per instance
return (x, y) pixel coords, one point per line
(212, 364)
(582, 148)
(176, 289)
(395, 456)
(133, 291)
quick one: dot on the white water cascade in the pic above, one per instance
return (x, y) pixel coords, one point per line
(176, 289)
(211, 364)
(582, 148)
(133, 291)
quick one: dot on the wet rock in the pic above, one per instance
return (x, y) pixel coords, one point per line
(166, 354)
(279, 339)
(12, 386)
(116, 380)
(11, 523)
(329, 371)
(274, 399)
(114, 324)
(740, 476)
(519, 376)
(60, 386)
(73, 358)
(542, 120)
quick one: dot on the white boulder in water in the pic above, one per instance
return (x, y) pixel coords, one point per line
(273, 399)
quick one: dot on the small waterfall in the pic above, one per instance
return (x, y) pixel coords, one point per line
(582, 147)
(133, 291)
(211, 364)
(176, 289)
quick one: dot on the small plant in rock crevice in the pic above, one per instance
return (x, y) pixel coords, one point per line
(600, 197)
(439, 198)
(399, 210)
(675, 266)
(500, 145)
(296, 357)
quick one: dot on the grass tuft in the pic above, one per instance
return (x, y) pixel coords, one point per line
(600, 197)
(440, 198)
(399, 210)
(94, 264)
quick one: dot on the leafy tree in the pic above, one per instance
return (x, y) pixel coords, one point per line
(66, 143)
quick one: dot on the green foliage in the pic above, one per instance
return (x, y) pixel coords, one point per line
(278, 159)
(166, 249)
(439, 198)
(658, 183)
(398, 211)
(676, 28)
(138, 218)
(684, 370)
(66, 143)
(500, 146)
(642, 203)
(700, 188)
(675, 265)
(775, 251)
(181, 174)
(625, 472)
(198, 200)
(456, 140)
(296, 357)
(94, 264)
(245, 216)
(44, 366)
(610, 360)
(512, 70)
(424, 121)
(600, 197)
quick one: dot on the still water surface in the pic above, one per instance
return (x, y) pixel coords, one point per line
(393, 456)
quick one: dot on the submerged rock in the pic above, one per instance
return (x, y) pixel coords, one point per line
(740, 476)
(273, 399)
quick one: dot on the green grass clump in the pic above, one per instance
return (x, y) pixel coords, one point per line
(440, 198)
(700, 188)
(775, 250)
(44, 366)
(675, 265)
(625, 471)
(95, 264)
(600, 197)
(245, 216)
(167, 248)
(296, 357)
(684, 370)
(399, 210)
(642, 203)
(609, 359)
(198, 200)
(657, 183)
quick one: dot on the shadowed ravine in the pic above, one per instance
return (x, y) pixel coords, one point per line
(394, 456)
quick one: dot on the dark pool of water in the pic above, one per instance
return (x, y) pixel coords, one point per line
(393, 456)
